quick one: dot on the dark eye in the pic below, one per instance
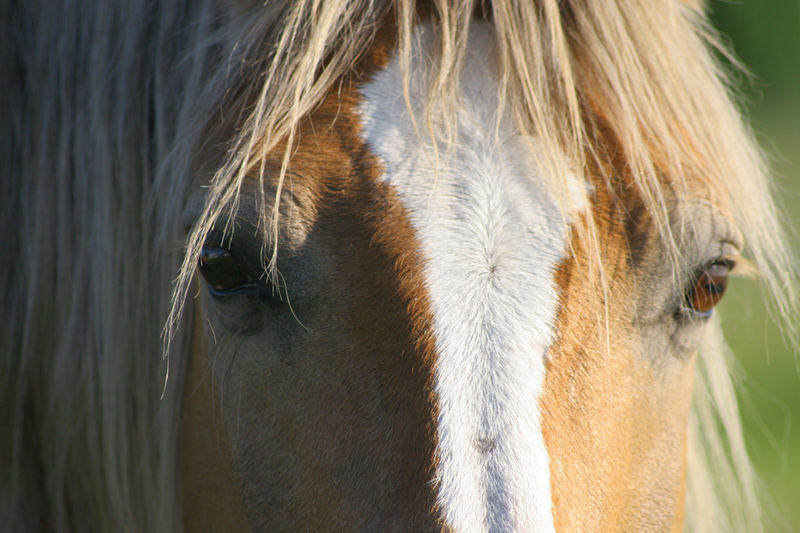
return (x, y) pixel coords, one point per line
(708, 288)
(224, 273)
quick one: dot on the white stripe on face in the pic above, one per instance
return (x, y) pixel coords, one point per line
(492, 237)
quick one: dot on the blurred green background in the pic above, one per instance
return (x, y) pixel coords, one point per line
(765, 35)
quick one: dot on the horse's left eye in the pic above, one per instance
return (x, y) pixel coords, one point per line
(708, 288)
(224, 273)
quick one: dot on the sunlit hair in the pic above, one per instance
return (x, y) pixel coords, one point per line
(110, 109)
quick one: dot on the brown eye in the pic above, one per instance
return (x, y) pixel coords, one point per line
(708, 288)
(223, 273)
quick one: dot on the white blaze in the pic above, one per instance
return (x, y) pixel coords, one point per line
(492, 237)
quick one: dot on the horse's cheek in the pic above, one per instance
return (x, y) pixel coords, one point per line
(615, 427)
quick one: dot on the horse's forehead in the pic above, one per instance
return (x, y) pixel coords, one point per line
(491, 237)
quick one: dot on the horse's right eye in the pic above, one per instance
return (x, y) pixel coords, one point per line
(708, 287)
(224, 274)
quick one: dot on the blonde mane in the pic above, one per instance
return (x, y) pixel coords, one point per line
(109, 111)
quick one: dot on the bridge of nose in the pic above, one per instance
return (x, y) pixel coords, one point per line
(491, 238)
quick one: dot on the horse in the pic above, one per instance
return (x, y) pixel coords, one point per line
(374, 266)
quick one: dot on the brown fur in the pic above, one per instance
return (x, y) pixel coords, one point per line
(615, 415)
(303, 459)
(210, 497)
(614, 421)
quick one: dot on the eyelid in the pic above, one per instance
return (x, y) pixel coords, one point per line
(730, 252)
(742, 267)
(244, 248)
(242, 289)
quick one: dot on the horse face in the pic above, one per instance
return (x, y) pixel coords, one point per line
(437, 351)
